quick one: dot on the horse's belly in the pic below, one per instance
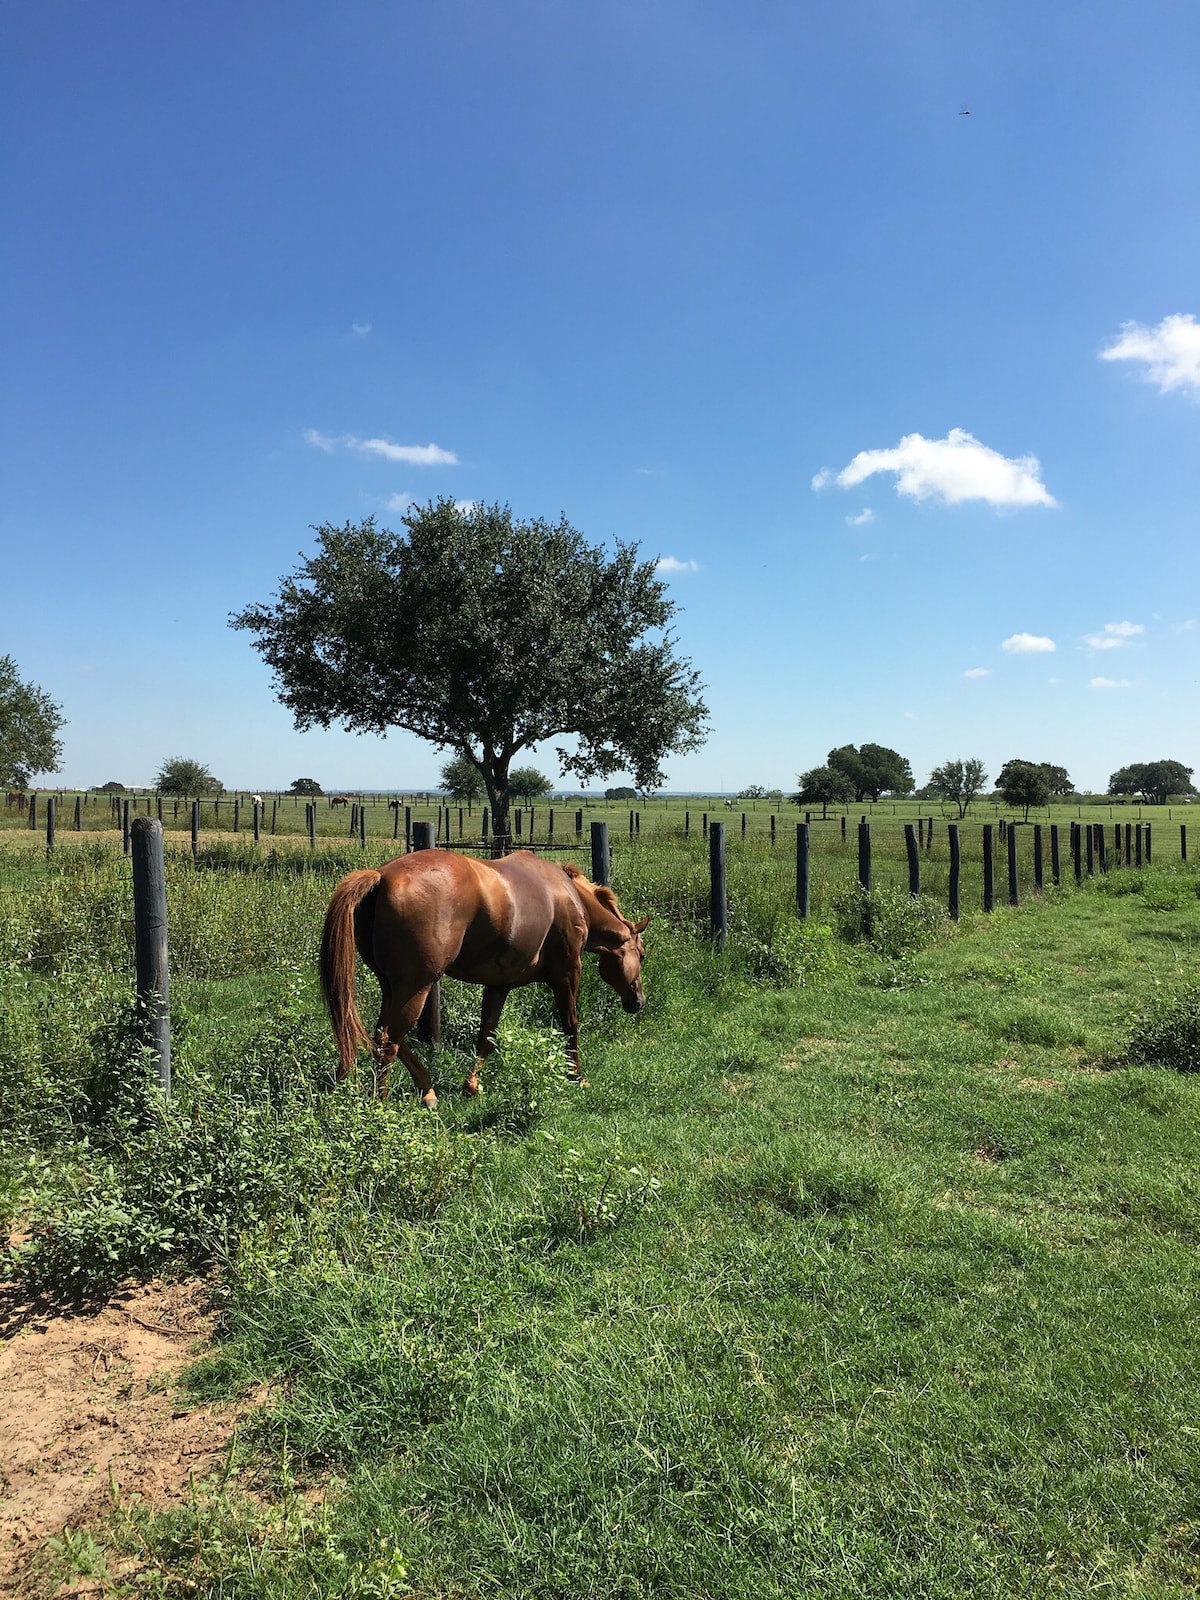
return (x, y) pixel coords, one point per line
(507, 971)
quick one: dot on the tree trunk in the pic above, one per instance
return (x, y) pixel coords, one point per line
(496, 782)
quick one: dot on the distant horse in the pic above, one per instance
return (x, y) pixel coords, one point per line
(502, 924)
(339, 799)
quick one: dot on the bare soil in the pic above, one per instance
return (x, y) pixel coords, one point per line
(86, 1395)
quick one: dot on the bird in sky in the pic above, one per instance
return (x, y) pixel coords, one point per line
(964, 113)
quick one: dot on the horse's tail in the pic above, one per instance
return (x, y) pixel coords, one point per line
(337, 965)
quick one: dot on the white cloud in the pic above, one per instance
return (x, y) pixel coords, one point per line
(670, 564)
(467, 505)
(977, 672)
(400, 502)
(414, 455)
(953, 469)
(1171, 352)
(1186, 627)
(360, 329)
(1110, 683)
(1027, 644)
(1115, 635)
(864, 516)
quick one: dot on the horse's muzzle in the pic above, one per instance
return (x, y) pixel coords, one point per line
(634, 1001)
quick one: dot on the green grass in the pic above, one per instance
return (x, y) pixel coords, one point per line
(850, 1275)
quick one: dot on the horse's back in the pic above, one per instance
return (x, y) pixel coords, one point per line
(486, 922)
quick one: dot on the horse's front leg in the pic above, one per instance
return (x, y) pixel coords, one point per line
(485, 1042)
(566, 994)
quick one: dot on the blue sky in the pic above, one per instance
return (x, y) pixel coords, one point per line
(661, 266)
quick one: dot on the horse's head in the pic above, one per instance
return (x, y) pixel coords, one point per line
(619, 956)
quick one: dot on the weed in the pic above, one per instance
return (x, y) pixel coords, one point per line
(1166, 1031)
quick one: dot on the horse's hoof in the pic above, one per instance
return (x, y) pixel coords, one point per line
(429, 1100)
(471, 1085)
(578, 1079)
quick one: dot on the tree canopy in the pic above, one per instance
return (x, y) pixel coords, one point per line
(461, 779)
(305, 786)
(487, 636)
(527, 783)
(821, 786)
(29, 727)
(1155, 781)
(873, 770)
(959, 781)
(1026, 783)
(182, 776)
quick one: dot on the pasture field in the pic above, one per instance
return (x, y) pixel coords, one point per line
(860, 1269)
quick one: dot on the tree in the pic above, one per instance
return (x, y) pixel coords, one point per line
(621, 792)
(959, 781)
(112, 787)
(1155, 781)
(821, 785)
(1024, 783)
(182, 776)
(1059, 779)
(486, 636)
(461, 780)
(305, 786)
(873, 770)
(752, 791)
(527, 783)
(29, 728)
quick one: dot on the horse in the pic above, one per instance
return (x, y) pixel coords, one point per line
(339, 799)
(502, 924)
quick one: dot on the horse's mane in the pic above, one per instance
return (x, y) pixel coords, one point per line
(602, 892)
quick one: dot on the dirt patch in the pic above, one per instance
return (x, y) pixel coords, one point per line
(87, 1394)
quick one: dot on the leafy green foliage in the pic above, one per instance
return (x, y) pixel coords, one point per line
(890, 920)
(524, 1074)
(959, 781)
(1166, 1031)
(597, 1191)
(30, 723)
(1155, 781)
(873, 770)
(462, 779)
(527, 783)
(305, 786)
(182, 776)
(486, 636)
(823, 786)
(1025, 783)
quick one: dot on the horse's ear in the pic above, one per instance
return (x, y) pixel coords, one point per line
(640, 927)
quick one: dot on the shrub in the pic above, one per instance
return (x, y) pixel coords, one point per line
(891, 921)
(527, 1068)
(1166, 1031)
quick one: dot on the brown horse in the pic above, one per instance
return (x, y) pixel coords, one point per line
(339, 799)
(500, 923)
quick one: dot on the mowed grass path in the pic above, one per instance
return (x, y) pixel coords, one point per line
(913, 1314)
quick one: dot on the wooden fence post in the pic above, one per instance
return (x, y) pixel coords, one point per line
(1149, 854)
(600, 856)
(274, 814)
(79, 822)
(803, 871)
(1102, 847)
(1014, 888)
(1076, 852)
(579, 824)
(125, 827)
(1090, 848)
(195, 828)
(362, 827)
(1039, 870)
(864, 856)
(237, 813)
(989, 869)
(955, 870)
(772, 829)
(429, 1023)
(312, 826)
(914, 859)
(408, 826)
(51, 819)
(1182, 839)
(718, 911)
(1055, 855)
(150, 945)
(257, 822)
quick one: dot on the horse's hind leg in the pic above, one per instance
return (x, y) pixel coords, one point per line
(391, 1040)
(485, 1041)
